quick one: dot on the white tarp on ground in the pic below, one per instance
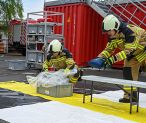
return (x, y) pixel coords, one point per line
(115, 95)
(55, 112)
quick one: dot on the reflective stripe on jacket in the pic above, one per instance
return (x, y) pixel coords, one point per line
(62, 61)
(129, 40)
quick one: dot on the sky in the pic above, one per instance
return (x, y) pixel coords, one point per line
(33, 6)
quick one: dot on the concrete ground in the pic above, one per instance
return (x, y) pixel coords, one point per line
(11, 98)
(7, 74)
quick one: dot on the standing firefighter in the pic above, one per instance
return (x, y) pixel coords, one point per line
(131, 40)
(60, 58)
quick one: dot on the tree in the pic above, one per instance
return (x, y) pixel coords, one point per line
(10, 9)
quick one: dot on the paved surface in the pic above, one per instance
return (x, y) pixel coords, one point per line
(10, 98)
(17, 75)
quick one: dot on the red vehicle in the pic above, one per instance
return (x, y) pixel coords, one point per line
(17, 35)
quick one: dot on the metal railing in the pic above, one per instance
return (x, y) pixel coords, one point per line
(105, 7)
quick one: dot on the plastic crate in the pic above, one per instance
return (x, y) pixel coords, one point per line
(32, 29)
(49, 30)
(32, 46)
(40, 58)
(41, 29)
(16, 64)
(31, 38)
(64, 90)
(32, 57)
(41, 38)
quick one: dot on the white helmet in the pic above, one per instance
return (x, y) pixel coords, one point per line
(110, 22)
(55, 46)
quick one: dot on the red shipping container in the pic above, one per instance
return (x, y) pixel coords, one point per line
(82, 31)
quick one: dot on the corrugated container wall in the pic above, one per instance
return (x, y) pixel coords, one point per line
(82, 31)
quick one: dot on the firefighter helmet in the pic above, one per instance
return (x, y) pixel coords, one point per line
(55, 46)
(110, 22)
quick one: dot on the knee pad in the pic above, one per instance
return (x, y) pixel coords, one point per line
(127, 73)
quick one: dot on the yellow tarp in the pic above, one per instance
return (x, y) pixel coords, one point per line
(98, 105)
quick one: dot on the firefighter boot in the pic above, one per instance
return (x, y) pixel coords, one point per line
(126, 98)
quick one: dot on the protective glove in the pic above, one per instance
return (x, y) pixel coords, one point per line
(45, 70)
(109, 62)
(97, 62)
(67, 71)
(129, 57)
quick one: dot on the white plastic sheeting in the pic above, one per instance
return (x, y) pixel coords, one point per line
(46, 79)
(55, 112)
(116, 95)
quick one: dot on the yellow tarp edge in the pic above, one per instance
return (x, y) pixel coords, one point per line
(98, 105)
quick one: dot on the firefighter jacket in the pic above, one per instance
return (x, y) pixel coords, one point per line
(131, 40)
(62, 61)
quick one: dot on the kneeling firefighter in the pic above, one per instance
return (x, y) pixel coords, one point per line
(60, 58)
(131, 40)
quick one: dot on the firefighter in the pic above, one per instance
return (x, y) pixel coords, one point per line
(60, 58)
(131, 40)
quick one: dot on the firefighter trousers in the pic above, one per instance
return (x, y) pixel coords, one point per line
(131, 72)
